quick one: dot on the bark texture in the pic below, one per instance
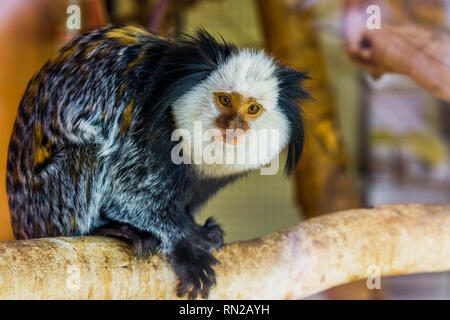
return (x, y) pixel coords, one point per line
(289, 264)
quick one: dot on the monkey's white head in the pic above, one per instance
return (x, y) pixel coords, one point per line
(241, 113)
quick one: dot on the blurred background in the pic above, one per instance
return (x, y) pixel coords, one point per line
(373, 137)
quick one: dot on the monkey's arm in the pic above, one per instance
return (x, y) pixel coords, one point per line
(156, 205)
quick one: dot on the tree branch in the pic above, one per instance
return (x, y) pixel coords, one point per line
(292, 263)
(411, 50)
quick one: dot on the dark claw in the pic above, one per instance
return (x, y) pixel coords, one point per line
(182, 289)
(196, 286)
(193, 267)
(207, 284)
(214, 233)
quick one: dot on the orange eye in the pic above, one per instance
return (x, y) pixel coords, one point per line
(253, 109)
(224, 100)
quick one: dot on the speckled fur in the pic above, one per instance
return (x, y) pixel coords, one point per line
(90, 148)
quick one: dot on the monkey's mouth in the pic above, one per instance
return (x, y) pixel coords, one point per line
(233, 139)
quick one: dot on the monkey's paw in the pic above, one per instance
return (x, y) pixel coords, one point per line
(143, 243)
(193, 267)
(144, 246)
(213, 234)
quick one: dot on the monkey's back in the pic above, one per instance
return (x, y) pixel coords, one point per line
(75, 113)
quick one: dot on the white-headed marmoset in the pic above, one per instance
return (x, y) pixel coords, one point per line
(90, 152)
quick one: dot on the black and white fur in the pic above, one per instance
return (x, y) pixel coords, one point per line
(76, 168)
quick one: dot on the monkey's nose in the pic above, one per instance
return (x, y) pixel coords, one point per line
(237, 123)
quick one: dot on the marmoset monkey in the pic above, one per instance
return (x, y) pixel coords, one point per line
(90, 152)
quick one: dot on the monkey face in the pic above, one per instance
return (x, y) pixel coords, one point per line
(238, 101)
(236, 113)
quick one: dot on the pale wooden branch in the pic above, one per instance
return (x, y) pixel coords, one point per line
(411, 50)
(292, 263)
